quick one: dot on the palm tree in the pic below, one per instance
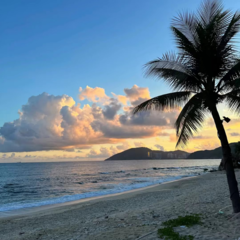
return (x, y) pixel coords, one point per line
(204, 73)
(237, 150)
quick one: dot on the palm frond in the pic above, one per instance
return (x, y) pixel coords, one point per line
(173, 70)
(230, 76)
(205, 51)
(190, 119)
(186, 24)
(208, 10)
(230, 86)
(163, 102)
(183, 43)
(206, 64)
(233, 100)
(232, 28)
(168, 61)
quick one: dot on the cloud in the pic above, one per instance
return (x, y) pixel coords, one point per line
(105, 152)
(137, 95)
(139, 144)
(79, 157)
(122, 99)
(123, 146)
(12, 155)
(134, 95)
(96, 94)
(109, 111)
(201, 137)
(173, 138)
(207, 146)
(110, 130)
(210, 122)
(148, 118)
(68, 116)
(234, 134)
(96, 111)
(49, 122)
(70, 150)
(102, 153)
(159, 147)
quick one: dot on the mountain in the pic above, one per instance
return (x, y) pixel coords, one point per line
(146, 153)
(210, 154)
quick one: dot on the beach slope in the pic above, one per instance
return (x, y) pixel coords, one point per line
(133, 214)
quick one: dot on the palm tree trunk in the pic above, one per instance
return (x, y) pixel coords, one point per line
(227, 160)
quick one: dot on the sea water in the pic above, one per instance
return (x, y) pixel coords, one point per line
(26, 185)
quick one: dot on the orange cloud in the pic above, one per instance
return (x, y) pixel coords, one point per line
(96, 94)
(49, 122)
(137, 95)
(122, 99)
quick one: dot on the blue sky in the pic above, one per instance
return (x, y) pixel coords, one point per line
(59, 45)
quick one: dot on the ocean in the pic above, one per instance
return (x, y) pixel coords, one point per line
(27, 185)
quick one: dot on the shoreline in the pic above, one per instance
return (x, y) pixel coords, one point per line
(129, 215)
(181, 159)
(32, 210)
(105, 183)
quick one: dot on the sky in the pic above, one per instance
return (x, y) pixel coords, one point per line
(71, 70)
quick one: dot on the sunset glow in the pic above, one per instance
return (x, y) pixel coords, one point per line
(68, 86)
(58, 127)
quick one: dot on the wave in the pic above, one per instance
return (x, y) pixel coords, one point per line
(118, 188)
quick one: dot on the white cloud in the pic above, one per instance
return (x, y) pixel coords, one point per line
(159, 147)
(49, 122)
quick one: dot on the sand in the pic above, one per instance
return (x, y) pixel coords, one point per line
(132, 215)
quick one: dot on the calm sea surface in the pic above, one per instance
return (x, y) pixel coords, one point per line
(24, 185)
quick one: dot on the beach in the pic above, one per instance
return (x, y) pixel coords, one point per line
(134, 214)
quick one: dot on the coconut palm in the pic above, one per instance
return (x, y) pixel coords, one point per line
(203, 73)
(237, 149)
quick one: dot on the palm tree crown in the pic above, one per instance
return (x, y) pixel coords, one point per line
(204, 72)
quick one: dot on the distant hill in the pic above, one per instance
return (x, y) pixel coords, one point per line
(146, 153)
(210, 154)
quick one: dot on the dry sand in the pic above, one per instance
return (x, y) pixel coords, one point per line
(132, 215)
